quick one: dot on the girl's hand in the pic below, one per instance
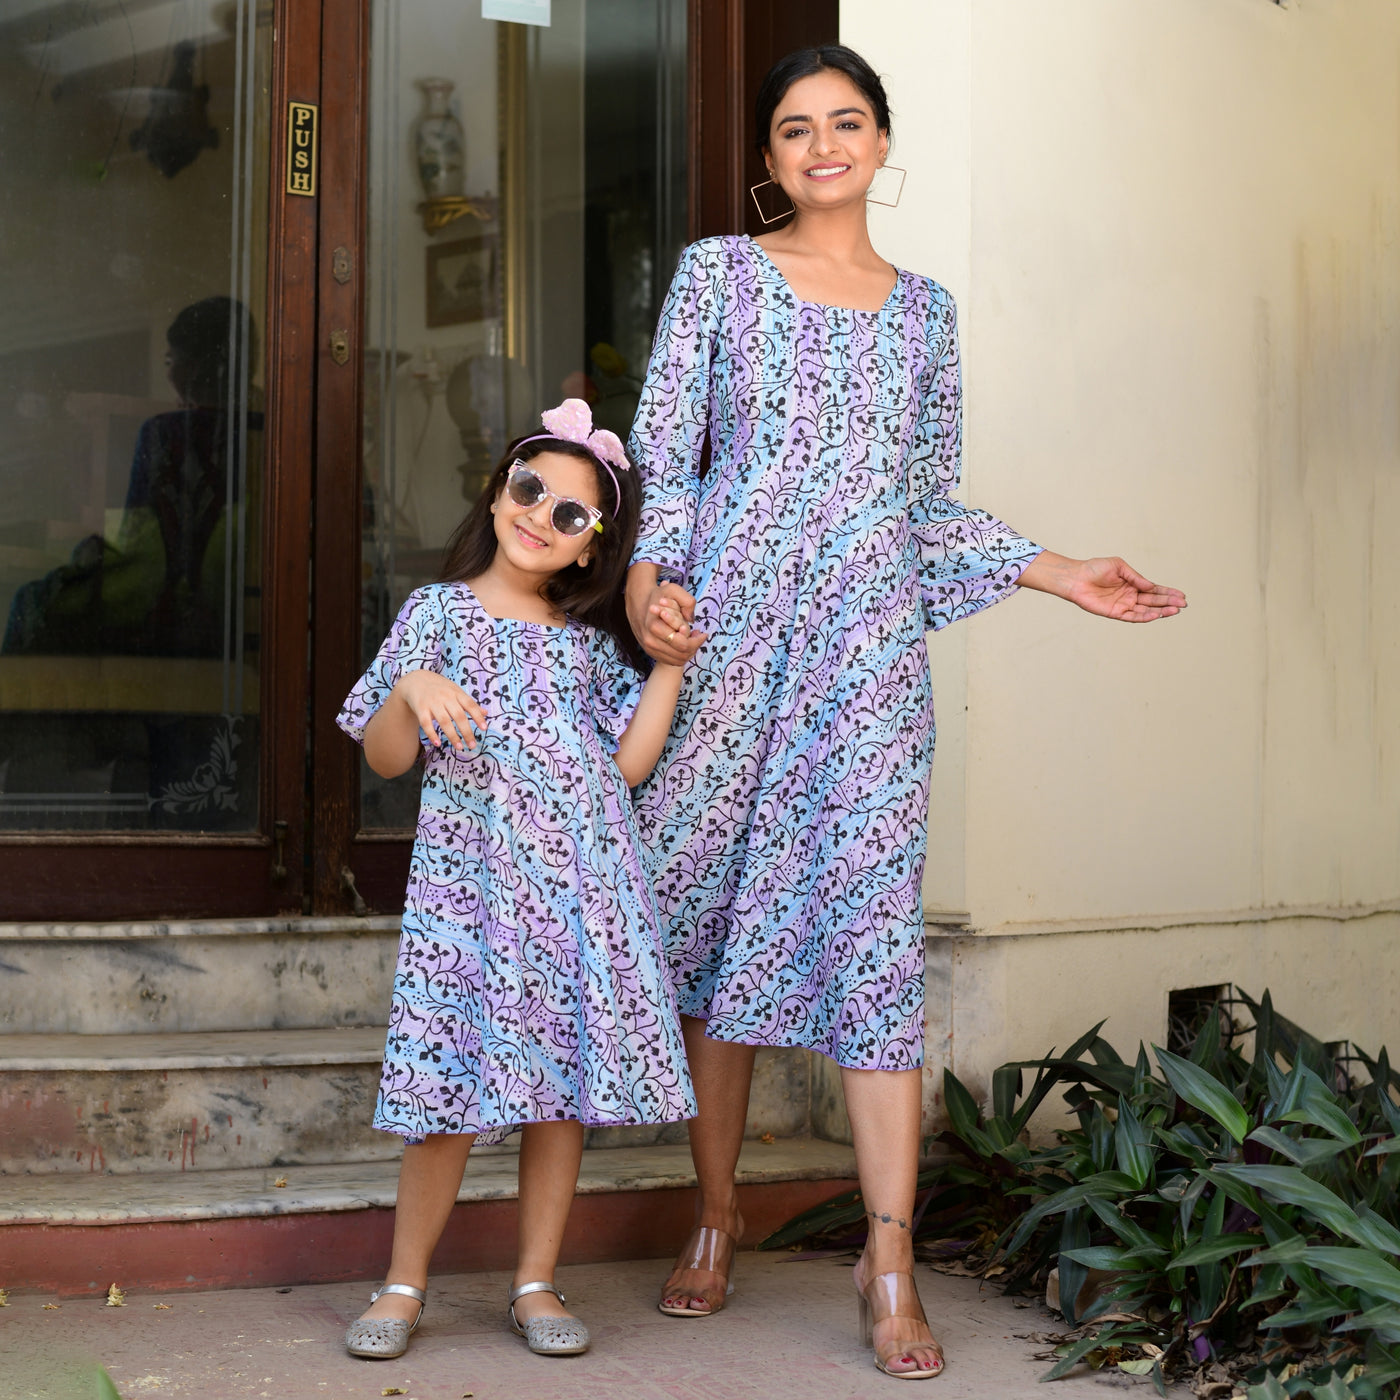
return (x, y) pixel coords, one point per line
(661, 615)
(443, 710)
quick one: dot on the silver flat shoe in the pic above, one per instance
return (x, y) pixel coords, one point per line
(383, 1338)
(548, 1336)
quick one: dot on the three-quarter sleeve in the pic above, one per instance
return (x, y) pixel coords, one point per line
(669, 430)
(414, 643)
(614, 688)
(968, 559)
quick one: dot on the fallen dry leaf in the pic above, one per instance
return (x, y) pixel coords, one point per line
(4, 1299)
(767, 1139)
(161, 1307)
(50, 1307)
(282, 1181)
(393, 1390)
(115, 1297)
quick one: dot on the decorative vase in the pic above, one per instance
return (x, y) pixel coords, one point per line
(439, 143)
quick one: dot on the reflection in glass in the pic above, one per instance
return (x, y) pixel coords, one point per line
(132, 278)
(538, 278)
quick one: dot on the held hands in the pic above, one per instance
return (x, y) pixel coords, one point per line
(444, 710)
(661, 615)
(1106, 587)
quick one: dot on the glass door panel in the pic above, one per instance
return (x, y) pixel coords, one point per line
(526, 208)
(133, 282)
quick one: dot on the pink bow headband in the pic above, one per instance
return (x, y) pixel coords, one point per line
(572, 421)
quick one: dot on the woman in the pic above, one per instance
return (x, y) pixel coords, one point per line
(785, 824)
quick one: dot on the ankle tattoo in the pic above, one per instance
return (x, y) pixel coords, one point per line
(885, 1218)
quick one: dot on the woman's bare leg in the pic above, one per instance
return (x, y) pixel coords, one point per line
(884, 1107)
(429, 1180)
(550, 1154)
(722, 1073)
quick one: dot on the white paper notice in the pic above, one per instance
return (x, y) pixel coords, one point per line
(520, 11)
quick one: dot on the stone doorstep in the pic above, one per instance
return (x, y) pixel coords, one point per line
(195, 928)
(166, 1050)
(115, 979)
(222, 1101)
(337, 1224)
(148, 1197)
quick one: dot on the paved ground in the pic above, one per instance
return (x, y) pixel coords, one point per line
(789, 1331)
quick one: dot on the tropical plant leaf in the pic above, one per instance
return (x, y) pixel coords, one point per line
(1291, 1186)
(1318, 1107)
(1384, 1320)
(1306, 1152)
(1203, 1091)
(1101, 1256)
(1211, 1251)
(1383, 1149)
(1357, 1268)
(1073, 1357)
(1126, 1228)
(1131, 1146)
(964, 1114)
(1271, 1388)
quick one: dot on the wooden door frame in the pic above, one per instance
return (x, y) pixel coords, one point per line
(89, 875)
(335, 554)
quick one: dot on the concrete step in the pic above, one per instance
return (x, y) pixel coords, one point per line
(212, 975)
(217, 1100)
(189, 1100)
(218, 1229)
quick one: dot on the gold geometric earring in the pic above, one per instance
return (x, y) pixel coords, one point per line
(754, 189)
(899, 189)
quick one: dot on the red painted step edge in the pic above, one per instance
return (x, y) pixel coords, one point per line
(332, 1246)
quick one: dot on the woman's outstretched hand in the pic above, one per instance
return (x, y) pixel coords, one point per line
(661, 615)
(1107, 587)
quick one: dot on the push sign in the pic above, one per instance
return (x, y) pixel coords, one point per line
(301, 148)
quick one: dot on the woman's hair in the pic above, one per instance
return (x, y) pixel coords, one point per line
(806, 63)
(594, 596)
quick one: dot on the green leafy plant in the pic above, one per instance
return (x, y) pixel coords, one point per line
(1218, 1209)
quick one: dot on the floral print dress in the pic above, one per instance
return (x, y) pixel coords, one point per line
(786, 823)
(530, 983)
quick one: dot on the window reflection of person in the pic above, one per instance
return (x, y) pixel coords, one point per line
(179, 490)
(159, 588)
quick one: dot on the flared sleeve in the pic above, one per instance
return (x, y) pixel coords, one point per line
(669, 430)
(414, 643)
(968, 559)
(614, 688)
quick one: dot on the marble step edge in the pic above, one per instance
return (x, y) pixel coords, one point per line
(72, 1052)
(252, 1193)
(196, 928)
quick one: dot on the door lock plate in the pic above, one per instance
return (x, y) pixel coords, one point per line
(340, 346)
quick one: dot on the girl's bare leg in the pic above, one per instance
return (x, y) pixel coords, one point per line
(722, 1073)
(884, 1107)
(549, 1161)
(429, 1180)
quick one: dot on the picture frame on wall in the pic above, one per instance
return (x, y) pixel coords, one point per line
(463, 281)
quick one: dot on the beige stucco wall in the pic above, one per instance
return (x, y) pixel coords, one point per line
(1172, 233)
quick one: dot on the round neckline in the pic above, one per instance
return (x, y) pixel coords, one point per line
(825, 305)
(519, 621)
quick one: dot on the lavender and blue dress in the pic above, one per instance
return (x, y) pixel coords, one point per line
(530, 983)
(785, 825)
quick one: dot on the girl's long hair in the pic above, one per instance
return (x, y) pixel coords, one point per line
(593, 596)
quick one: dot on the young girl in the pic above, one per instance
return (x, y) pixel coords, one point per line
(529, 988)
